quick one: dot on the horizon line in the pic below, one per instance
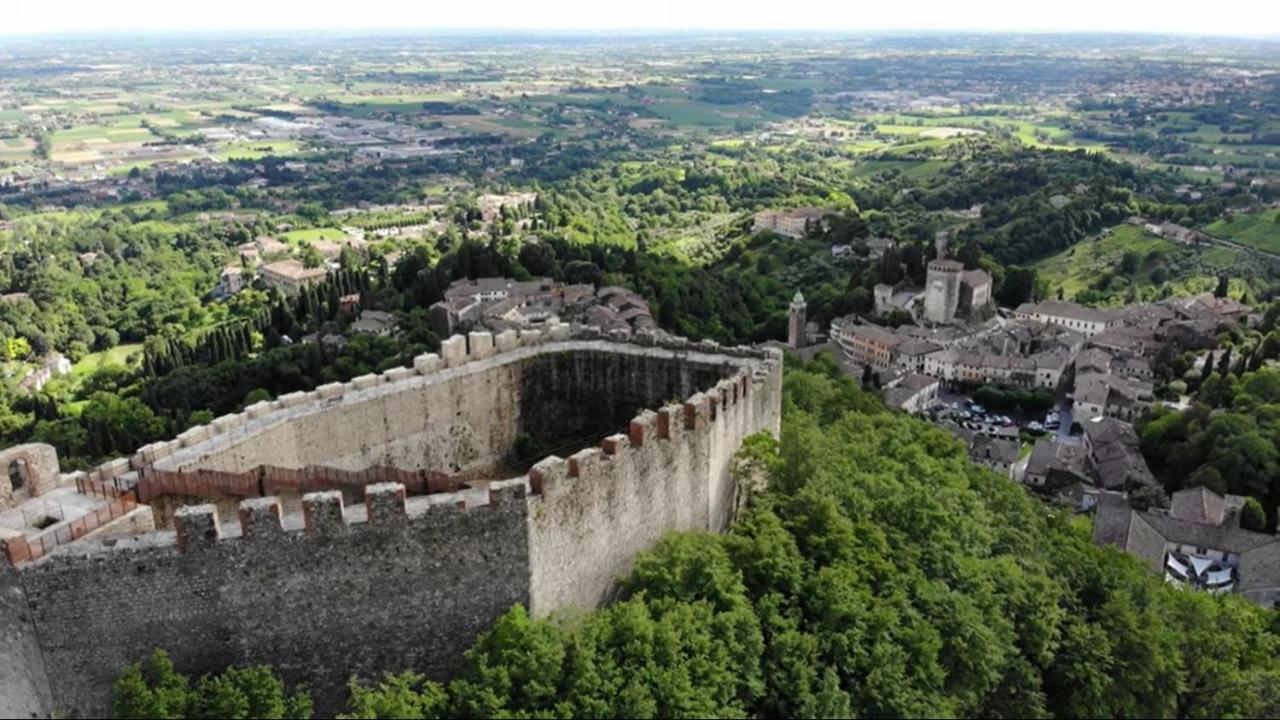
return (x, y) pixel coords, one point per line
(335, 30)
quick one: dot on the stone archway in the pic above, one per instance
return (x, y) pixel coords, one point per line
(27, 471)
(18, 473)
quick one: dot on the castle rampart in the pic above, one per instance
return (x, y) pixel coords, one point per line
(322, 587)
(354, 590)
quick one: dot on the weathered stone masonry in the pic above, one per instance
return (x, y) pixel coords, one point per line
(403, 583)
(353, 596)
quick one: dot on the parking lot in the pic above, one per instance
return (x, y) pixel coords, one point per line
(960, 409)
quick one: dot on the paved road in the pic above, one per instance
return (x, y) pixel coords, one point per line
(1064, 417)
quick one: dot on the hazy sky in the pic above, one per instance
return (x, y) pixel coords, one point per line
(1239, 17)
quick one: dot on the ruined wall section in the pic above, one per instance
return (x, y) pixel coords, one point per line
(458, 412)
(445, 413)
(388, 586)
(457, 421)
(450, 426)
(36, 466)
(593, 512)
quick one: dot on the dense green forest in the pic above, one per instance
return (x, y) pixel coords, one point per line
(880, 574)
(676, 226)
(1228, 439)
(1228, 436)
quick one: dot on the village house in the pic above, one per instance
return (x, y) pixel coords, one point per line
(866, 344)
(1206, 305)
(1052, 465)
(912, 354)
(374, 322)
(1126, 341)
(794, 224)
(53, 364)
(1196, 544)
(1115, 455)
(1050, 368)
(1105, 394)
(271, 246)
(501, 303)
(996, 454)
(230, 281)
(896, 298)
(1085, 320)
(914, 393)
(290, 276)
(1134, 368)
(1092, 360)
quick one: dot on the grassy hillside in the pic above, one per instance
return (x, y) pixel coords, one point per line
(118, 355)
(1096, 271)
(1260, 230)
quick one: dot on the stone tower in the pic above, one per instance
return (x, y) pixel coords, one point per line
(796, 321)
(942, 290)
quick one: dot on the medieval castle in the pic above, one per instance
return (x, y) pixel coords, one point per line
(377, 525)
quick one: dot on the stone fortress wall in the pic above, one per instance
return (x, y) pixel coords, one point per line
(403, 582)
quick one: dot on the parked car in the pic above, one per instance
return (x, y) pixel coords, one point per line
(1035, 426)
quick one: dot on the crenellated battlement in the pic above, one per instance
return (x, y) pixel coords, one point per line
(384, 510)
(197, 449)
(324, 514)
(456, 354)
(669, 470)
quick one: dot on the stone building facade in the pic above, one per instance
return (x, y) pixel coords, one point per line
(942, 290)
(951, 292)
(1085, 320)
(290, 276)
(794, 224)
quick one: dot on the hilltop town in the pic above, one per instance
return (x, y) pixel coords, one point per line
(694, 374)
(1090, 374)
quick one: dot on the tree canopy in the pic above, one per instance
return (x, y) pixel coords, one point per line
(880, 574)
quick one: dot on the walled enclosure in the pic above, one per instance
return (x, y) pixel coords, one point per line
(408, 584)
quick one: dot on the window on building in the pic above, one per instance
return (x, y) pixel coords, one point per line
(18, 473)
